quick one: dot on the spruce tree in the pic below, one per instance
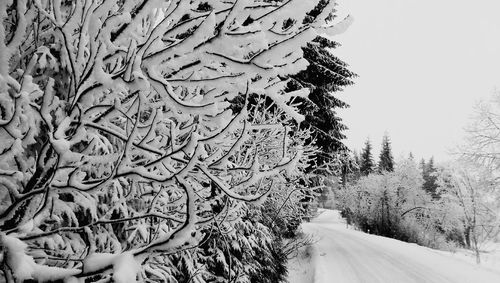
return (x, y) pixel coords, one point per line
(410, 156)
(366, 162)
(355, 171)
(421, 166)
(430, 179)
(386, 161)
(325, 76)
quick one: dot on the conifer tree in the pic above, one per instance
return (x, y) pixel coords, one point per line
(355, 171)
(366, 162)
(325, 76)
(386, 161)
(421, 166)
(430, 178)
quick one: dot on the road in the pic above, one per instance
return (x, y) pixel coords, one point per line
(346, 255)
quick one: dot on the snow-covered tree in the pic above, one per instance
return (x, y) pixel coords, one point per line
(394, 205)
(118, 136)
(326, 76)
(386, 161)
(429, 172)
(366, 164)
(481, 141)
(472, 190)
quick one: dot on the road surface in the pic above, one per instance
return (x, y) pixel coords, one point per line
(347, 255)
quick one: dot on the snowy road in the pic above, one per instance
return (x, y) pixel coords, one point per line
(346, 255)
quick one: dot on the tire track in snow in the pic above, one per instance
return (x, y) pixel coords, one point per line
(345, 255)
(375, 264)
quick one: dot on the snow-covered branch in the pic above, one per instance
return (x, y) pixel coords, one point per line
(124, 123)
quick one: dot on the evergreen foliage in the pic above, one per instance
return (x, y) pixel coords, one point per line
(136, 135)
(386, 161)
(350, 168)
(326, 76)
(366, 160)
(430, 179)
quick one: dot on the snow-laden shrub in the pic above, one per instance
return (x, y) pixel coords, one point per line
(117, 133)
(393, 204)
(470, 192)
(240, 250)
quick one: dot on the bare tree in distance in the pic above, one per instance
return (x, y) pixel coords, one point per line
(482, 142)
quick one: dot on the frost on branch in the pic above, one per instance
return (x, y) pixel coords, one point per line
(119, 131)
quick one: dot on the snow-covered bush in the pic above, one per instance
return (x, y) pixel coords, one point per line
(393, 204)
(470, 191)
(119, 142)
(245, 251)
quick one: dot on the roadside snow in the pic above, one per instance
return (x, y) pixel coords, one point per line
(490, 256)
(301, 268)
(343, 254)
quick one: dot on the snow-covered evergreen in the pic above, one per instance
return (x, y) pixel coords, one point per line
(120, 138)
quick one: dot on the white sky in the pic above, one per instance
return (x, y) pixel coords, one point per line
(422, 65)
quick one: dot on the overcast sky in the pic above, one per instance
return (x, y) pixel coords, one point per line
(422, 64)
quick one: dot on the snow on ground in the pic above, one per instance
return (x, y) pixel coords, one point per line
(343, 254)
(490, 256)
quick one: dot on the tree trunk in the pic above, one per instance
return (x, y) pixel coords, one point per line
(467, 237)
(478, 255)
(476, 246)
